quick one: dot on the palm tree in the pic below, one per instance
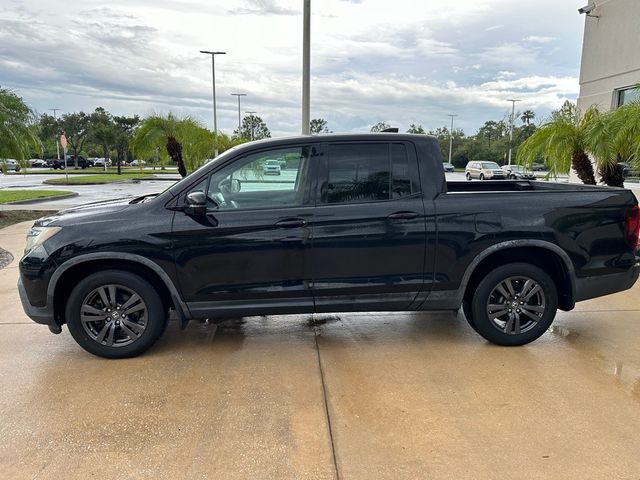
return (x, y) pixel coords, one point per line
(527, 116)
(168, 130)
(17, 135)
(562, 143)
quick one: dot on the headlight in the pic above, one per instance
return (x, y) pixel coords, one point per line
(38, 235)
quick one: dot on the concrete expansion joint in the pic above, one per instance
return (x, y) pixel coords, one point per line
(316, 334)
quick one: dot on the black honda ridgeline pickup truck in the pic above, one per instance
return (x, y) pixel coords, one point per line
(353, 223)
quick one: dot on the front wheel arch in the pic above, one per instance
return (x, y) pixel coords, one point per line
(73, 274)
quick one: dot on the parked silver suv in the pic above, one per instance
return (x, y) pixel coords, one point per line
(9, 164)
(484, 171)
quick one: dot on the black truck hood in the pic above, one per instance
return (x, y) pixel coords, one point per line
(90, 211)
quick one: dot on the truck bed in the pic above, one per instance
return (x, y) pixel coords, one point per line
(516, 186)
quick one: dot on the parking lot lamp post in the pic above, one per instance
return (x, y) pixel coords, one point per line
(239, 122)
(213, 77)
(513, 114)
(452, 115)
(306, 67)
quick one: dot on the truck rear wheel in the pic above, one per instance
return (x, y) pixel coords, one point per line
(514, 304)
(115, 314)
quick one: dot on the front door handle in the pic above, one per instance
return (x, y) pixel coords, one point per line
(294, 222)
(403, 216)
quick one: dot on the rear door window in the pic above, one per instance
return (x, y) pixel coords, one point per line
(368, 172)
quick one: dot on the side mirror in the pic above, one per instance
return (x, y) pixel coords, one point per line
(230, 185)
(196, 203)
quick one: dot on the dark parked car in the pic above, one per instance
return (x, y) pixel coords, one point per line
(629, 170)
(518, 172)
(538, 167)
(366, 223)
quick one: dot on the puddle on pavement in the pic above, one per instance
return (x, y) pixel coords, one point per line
(628, 376)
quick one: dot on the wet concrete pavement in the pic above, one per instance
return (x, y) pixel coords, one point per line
(354, 396)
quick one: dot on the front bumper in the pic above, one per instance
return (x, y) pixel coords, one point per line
(43, 315)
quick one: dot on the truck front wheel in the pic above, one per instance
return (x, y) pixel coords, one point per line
(115, 314)
(514, 304)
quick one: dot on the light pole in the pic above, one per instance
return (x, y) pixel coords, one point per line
(513, 113)
(253, 124)
(452, 115)
(213, 77)
(306, 67)
(54, 110)
(239, 95)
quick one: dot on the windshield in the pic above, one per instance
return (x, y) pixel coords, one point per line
(273, 163)
(517, 168)
(490, 165)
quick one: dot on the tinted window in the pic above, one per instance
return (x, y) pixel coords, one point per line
(401, 178)
(368, 172)
(247, 184)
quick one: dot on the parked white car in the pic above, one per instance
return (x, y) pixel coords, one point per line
(9, 164)
(101, 162)
(138, 163)
(272, 167)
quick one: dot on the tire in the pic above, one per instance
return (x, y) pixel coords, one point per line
(112, 334)
(468, 176)
(466, 309)
(482, 176)
(524, 325)
(512, 177)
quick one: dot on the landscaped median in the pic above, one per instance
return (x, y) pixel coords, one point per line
(26, 196)
(97, 179)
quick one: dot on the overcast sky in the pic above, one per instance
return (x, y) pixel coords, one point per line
(402, 61)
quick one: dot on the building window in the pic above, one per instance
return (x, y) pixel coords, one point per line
(628, 95)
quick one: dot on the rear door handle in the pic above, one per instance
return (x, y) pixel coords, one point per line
(291, 222)
(403, 216)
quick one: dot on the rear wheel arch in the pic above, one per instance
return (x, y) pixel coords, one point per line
(68, 276)
(548, 257)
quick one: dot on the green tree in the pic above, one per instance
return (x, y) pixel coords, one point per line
(166, 130)
(527, 116)
(17, 129)
(125, 128)
(252, 128)
(614, 137)
(379, 127)
(563, 143)
(417, 129)
(318, 126)
(103, 131)
(76, 128)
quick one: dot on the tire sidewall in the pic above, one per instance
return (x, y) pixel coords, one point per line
(155, 313)
(483, 325)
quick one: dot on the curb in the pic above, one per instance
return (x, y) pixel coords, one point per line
(44, 199)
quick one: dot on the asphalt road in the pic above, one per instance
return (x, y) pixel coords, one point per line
(349, 396)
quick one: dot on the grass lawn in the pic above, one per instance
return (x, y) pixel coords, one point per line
(16, 216)
(96, 170)
(7, 196)
(96, 179)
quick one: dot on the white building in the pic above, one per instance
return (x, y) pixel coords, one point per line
(610, 54)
